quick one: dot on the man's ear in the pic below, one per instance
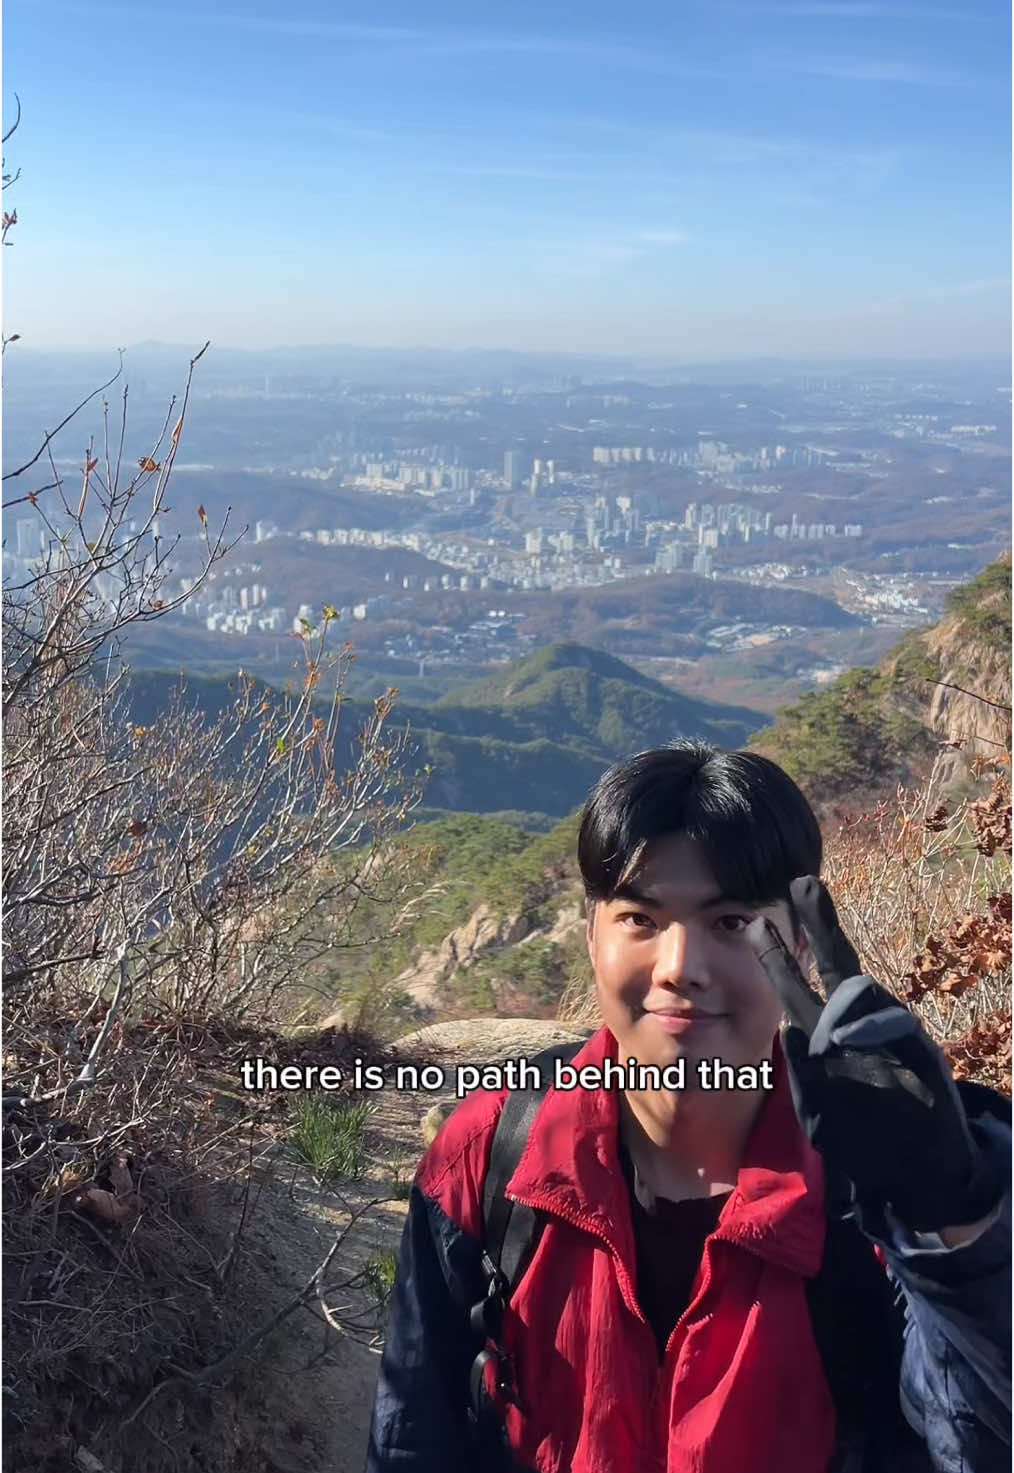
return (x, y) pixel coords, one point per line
(589, 929)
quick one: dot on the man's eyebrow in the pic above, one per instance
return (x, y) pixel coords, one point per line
(725, 899)
(631, 892)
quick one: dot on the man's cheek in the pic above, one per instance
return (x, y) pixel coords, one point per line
(610, 956)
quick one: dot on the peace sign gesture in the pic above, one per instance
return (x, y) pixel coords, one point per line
(872, 1091)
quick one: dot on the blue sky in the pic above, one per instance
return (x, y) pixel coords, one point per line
(700, 180)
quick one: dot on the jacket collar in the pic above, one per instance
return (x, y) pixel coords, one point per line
(570, 1167)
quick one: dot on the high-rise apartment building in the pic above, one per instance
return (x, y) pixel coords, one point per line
(669, 559)
(29, 541)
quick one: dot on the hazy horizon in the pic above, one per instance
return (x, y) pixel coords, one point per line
(647, 361)
(801, 181)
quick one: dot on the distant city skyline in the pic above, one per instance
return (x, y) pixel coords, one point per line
(712, 182)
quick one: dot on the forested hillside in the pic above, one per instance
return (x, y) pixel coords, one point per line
(533, 737)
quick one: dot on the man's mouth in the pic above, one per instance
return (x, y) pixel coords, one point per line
(679, 1020)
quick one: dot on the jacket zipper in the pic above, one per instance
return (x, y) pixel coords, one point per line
(629, 1297)
(705, 1281)
(626, 1287)
(676, 1331)
(575, 1220)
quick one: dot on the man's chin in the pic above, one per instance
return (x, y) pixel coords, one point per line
(661, 1050)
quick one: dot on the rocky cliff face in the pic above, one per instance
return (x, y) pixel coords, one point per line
(484, 931)
(483, 936)
(972, 701)
(852, 742)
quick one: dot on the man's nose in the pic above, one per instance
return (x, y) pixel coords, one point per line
(680, 955)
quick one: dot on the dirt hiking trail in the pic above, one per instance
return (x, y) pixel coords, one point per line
(305, 1402)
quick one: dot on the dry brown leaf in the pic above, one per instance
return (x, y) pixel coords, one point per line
(955, 984)
(105, 1206)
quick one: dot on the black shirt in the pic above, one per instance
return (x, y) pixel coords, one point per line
(669, 1243)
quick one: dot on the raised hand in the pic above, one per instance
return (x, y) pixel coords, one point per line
(872, 1091)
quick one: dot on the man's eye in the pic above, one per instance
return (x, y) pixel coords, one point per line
(733, 923)
(636, 920)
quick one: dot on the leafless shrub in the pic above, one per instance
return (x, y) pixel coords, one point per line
(923, 887)
(191, 861)
(167, 888)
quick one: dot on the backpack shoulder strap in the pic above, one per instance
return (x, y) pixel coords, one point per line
(511, 1231)
(848, 1298)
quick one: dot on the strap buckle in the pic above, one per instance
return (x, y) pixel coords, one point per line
(486, 1320)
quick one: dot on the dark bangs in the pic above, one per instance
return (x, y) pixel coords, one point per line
(754, 825)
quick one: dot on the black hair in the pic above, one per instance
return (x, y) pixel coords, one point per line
(755, 827)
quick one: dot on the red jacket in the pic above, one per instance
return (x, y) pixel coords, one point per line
(741, 1385)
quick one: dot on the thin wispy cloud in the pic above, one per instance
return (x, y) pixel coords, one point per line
(510, 171)
(342, 128)
(296, 26)
(883, 71)
(603, 242)
(569, 151)
(577, 150)
(718, 148)
(602, 51)
(615, 52)
(974, 288)
(589, 255)
(844, 10)
(664, 237)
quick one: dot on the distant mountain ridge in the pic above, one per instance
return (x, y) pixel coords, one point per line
(533, 736)
(588, 699)
(516, 679)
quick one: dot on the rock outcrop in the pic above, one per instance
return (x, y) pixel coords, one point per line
(972, 701)
(484, 931)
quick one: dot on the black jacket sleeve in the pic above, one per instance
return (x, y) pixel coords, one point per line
(956, 1366)
(420, 1422)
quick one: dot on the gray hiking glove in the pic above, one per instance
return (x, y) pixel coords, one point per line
(871, 1089)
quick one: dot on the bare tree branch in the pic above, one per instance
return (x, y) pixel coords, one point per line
(16, 121)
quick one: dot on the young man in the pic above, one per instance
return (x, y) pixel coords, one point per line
(666, 1321)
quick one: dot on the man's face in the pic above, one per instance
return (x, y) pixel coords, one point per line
(676, 976)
